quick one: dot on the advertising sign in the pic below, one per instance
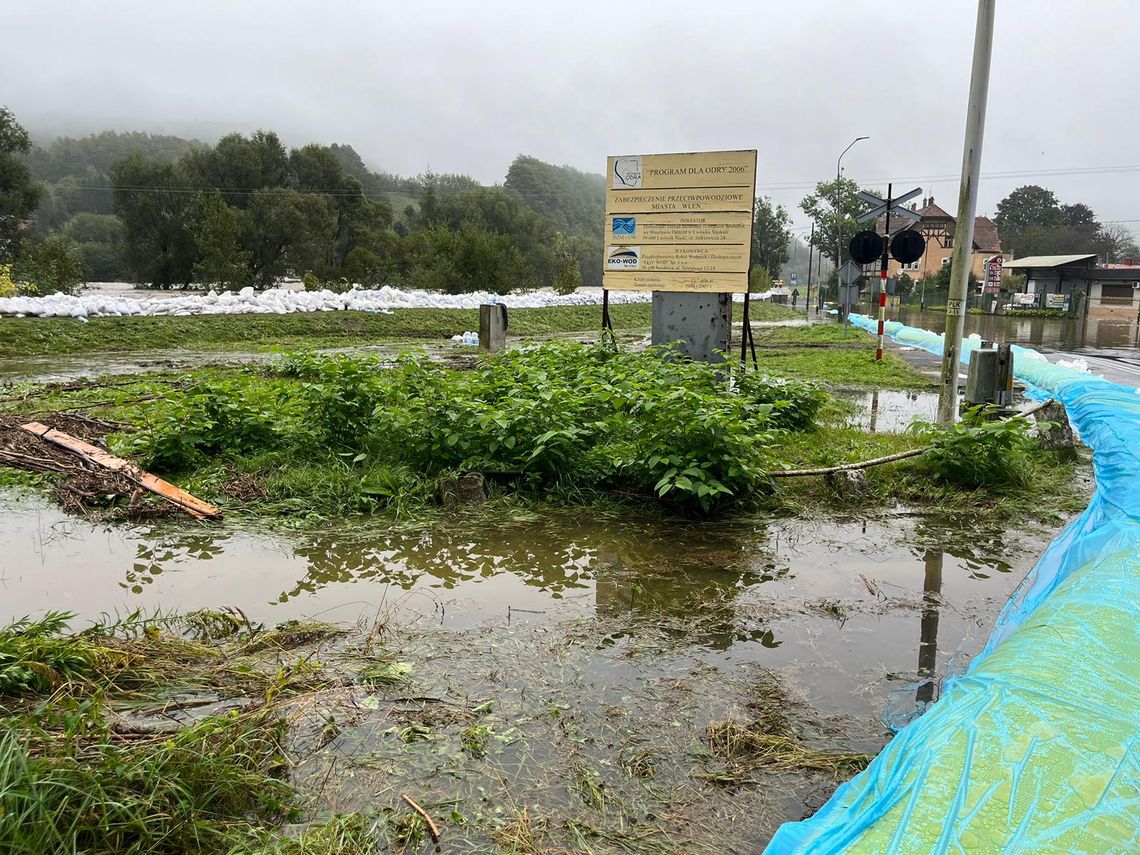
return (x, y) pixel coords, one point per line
(1056, 301)
(679, 222)
(993, 275)
(1024, 299)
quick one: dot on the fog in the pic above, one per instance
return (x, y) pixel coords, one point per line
(464, 87)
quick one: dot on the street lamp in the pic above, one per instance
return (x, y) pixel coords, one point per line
(838, 210)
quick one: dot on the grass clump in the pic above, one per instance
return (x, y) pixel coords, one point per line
(745, 741)
(88, 763)
(195, 790)
(35, 658)
(771, 740)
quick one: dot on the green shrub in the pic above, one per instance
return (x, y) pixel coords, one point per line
(795, 403)
(568, 415)
(339, 394)
(206, 419)
(51, 266)
(979, 451)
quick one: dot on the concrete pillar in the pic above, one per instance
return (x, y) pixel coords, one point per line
(492, 326)
(700, 322)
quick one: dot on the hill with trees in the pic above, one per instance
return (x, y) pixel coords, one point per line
(169, 212)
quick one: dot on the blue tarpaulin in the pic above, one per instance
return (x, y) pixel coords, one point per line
(1034, 749)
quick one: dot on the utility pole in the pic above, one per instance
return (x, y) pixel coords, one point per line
(967, 204)
(839, 210)
(811, 246)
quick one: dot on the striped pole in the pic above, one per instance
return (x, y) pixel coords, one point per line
(882, 312)
(883, 275)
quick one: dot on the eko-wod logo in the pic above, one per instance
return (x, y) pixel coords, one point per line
(623, 258)
(627, 173)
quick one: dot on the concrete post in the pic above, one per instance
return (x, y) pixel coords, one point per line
(492, 327)
(701, 323)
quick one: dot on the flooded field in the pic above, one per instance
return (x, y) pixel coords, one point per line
(597, 662)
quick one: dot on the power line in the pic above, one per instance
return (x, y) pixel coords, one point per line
(789, 185)
(1033, 173)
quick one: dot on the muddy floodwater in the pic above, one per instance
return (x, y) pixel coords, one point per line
(595, 651)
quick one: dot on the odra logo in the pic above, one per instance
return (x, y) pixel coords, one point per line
(623, 257)
(627, 173)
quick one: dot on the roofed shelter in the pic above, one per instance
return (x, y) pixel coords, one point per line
(1090, 289)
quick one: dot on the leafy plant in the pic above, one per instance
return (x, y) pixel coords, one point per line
(980, 451)
(795, 403)
(208, 418)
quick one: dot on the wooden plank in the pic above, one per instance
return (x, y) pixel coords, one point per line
(176, 496)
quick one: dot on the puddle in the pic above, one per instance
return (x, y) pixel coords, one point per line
(888, 411)
(745, 590)
(600, 647)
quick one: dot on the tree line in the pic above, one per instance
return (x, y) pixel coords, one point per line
(171, 212)
(248, 211)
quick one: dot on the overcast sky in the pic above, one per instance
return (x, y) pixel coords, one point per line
(465, 86)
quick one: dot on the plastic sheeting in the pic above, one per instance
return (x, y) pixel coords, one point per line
(1036, 747)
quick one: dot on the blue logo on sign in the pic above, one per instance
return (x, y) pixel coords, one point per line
(624, 225)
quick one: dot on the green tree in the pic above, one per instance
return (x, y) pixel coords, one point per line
(284, 231)
(819, 205)
(151, 199)
(574, 202)
(99, 239)
(1115, 243)
(488, 220)
(770, 235)
(48, 267)
(19, 193)
(468, 258)
(221, 260)
(238, 166)
(76, 171)
(1026, 207)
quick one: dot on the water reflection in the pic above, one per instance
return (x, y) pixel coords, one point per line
(447, 559)
(152, 555)
(928, 631)
(1079, 334)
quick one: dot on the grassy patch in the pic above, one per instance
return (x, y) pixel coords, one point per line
(1045, 490)
(844, 367)
(322, 436)
(47, 336)
(835, 355)
(92, 760)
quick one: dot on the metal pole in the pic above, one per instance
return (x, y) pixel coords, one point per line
(811, 248)
(839, 211)
(967, 204)
(883, 277)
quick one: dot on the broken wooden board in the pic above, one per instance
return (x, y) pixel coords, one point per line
(95, 455)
